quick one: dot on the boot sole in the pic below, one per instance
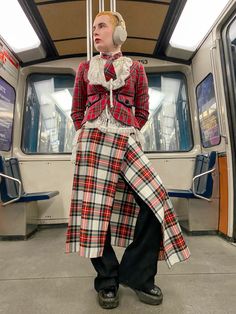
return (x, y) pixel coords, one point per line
(145, 297)
(148, 298)
(108, 303)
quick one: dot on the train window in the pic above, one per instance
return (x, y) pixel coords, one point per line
(7, 103)
(48, 128)
(207, 112)
(168, 127)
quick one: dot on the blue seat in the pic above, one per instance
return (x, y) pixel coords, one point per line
(202, 185)
(11, 186)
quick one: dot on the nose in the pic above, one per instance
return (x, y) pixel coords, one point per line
(95, 31)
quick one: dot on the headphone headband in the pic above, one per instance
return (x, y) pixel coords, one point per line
(120, 19)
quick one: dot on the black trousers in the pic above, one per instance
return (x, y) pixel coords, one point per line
(138, 265)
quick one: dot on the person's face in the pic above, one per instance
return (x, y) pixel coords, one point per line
(102, 34)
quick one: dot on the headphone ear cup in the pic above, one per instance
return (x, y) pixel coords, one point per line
(119, 35)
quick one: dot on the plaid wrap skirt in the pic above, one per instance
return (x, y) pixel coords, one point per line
(108, 166)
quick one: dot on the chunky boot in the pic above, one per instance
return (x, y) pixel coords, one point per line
(108, 298)
(152, 296)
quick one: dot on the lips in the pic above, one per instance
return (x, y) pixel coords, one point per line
(97, 40)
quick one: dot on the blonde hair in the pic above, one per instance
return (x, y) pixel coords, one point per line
(113, 18)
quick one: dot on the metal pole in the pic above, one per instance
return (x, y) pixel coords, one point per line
(113, 5)
(89, 29)
(101, 5)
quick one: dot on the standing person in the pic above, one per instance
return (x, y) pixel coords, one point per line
(117, 197)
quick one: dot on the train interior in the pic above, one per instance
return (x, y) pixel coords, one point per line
(190, 138)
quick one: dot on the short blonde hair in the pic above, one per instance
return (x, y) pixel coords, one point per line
(113, 18)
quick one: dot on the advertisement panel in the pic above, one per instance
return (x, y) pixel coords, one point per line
(7, 102)
(207, 109)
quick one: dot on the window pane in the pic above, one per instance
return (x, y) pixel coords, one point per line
(207, 111)
(168, 127)
(48, 127)
(7, 102)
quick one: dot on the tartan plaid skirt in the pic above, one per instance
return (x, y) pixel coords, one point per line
(108, 166)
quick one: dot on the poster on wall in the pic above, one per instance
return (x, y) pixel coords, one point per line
(7, 102)
(207, 109)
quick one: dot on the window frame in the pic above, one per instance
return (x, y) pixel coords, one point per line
(183, 77)
(189, 113)
(23, 113)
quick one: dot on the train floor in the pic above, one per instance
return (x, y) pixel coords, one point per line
(37, 277)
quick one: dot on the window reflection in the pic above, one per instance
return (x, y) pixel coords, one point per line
(48, 127)
(168, 127)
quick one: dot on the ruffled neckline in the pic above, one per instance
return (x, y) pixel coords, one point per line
(96, 72)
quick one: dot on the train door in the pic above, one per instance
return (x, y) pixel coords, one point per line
(211, 117)
(229, 60)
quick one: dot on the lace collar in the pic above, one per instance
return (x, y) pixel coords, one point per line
(96, 72)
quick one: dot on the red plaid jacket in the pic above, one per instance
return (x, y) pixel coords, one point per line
(90, 100)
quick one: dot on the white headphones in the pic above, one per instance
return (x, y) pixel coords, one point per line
(119, 34)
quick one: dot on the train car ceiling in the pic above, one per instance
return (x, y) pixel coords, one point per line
(61, 28)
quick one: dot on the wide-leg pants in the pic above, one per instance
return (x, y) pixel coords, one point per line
(138, 265)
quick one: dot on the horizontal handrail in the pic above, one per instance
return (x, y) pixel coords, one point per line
(194, 179)
(19, 192)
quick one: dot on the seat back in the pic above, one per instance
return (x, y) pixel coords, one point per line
(9, 188)
(204, 184)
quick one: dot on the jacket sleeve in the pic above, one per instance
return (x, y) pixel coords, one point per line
(141, 97)
(79, 97)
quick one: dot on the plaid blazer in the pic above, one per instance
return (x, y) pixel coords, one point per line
(90, 100)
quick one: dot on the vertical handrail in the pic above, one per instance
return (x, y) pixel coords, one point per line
(101, 5)
(113, 5)
(89, 29)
